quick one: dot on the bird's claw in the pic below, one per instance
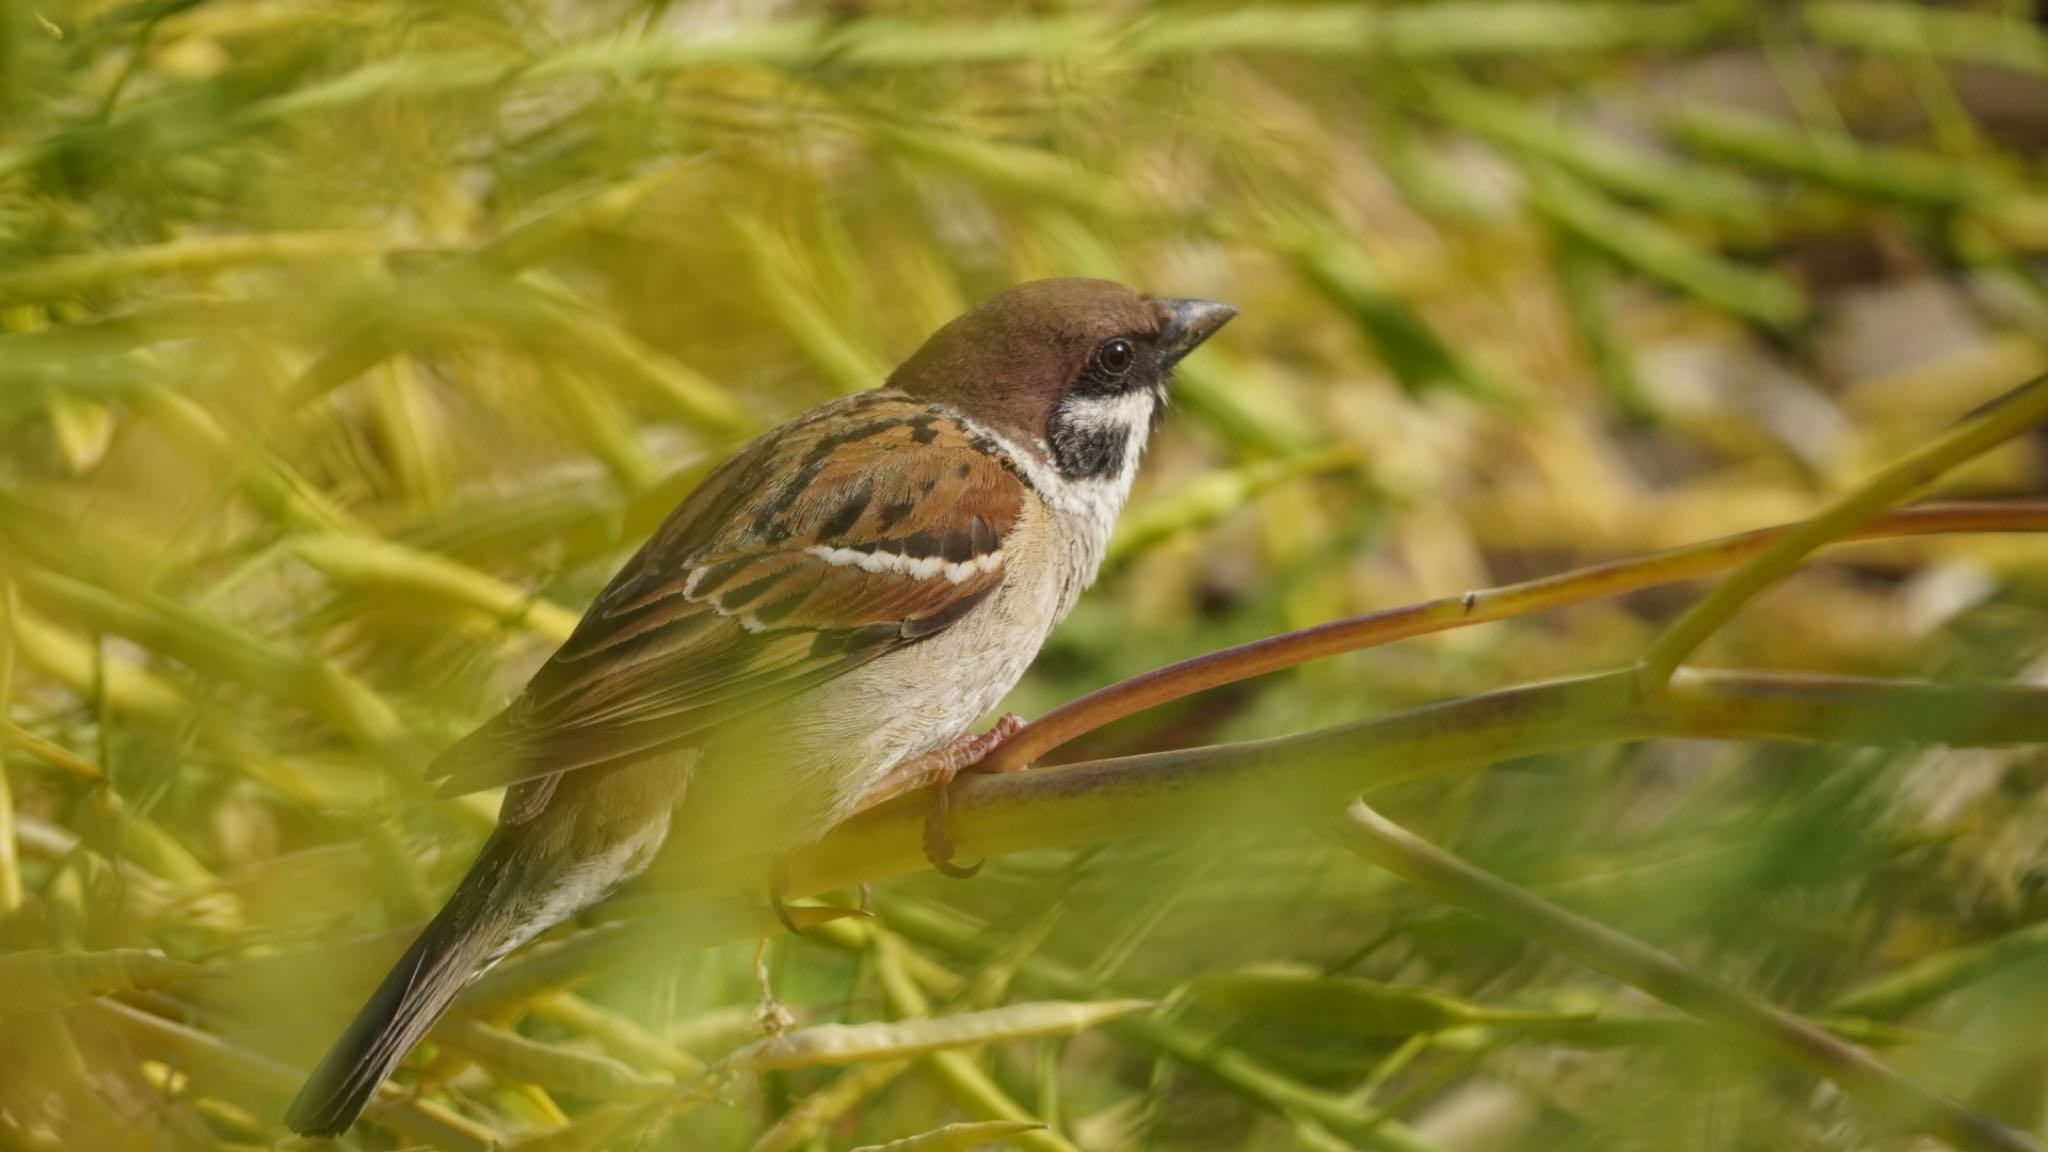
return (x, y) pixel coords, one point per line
(962, 757)
(937, 847)
(778, 891)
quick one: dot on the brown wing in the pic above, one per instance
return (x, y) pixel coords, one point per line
(867, 526)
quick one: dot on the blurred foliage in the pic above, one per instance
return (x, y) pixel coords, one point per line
(346, 348)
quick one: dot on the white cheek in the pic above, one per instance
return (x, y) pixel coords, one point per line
(1087, 508)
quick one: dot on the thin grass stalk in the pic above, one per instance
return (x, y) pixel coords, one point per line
(212, 1059)
(2006, 41)
(1848, 1065)
(1173, 792)
(10, 858)
(1644, 243)
(196, 256)
(1934, 976)
(618, 1032)
(2012, 415)
(1837, 161)
(971, 1089)
(1104, 706)
(1266, 1087)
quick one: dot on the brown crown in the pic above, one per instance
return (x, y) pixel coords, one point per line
(1008, 361)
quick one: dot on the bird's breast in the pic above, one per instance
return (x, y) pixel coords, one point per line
(787, 774)
(922, 697)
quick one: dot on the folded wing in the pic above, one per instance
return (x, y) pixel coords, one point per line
(871, 525)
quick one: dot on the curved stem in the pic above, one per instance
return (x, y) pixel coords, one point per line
(1638, 965)
(2010, 416)
(1244, 661)
(1225, 785)
(1228, 784)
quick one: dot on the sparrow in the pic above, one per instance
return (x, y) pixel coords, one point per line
(817, 627)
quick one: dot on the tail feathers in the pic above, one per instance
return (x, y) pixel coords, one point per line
(470, 931)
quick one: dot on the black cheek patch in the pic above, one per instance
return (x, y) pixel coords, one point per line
(1085, 452)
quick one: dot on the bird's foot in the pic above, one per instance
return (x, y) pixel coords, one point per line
(778, 893)
(935, 771)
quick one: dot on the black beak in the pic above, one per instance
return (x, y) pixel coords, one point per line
(1184, 324)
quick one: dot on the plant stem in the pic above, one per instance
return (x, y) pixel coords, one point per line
(2010, 416)
(1636, 964)
(1235, 1069)
(1195, 788)
(1274, 653)
(213, 1061)
(1966, 37)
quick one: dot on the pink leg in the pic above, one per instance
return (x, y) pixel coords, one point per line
(936, 770)
(939, 767)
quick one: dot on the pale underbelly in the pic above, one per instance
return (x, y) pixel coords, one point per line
(780, 778)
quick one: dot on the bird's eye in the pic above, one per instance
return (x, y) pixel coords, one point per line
(1115, 357)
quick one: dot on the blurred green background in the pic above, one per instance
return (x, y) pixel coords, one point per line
(347, 348)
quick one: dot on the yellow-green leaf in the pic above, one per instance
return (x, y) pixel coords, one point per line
(956, 1137)
(45, 980)
(886, 1039)
(516, 1057)
(1307, 999)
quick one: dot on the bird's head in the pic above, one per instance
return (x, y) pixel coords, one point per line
(1072, 370)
